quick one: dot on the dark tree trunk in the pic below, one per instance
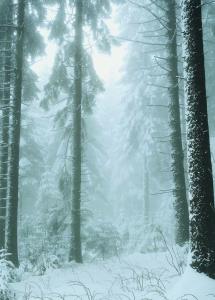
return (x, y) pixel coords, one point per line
(2, 129)
(75, 247)
(12, 208)
(6, 94)
(202, 216)
(177, 155)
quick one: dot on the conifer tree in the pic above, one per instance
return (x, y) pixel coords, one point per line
(202, 220)
(177, 155)
(75, 250)
(167, 63)
(145, 128)
(21, 88)
(12, 206)
(75, 84)
(6, 73)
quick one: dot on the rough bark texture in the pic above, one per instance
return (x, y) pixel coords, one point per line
(2, 131)
(75, 247)
(177, 155)
(12, 208)
(202, 216)
(6, 70)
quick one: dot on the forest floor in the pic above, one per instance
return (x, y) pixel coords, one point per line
(151, 276)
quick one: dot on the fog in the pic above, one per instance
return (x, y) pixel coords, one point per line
(107, 149)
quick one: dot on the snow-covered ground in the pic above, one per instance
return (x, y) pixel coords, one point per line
(135, 277)
(193, 285)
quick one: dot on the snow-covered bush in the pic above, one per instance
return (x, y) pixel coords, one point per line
(141, 236)
(152, 241)
(101, 240)
(141, 233)
(45, 262)
(40, 249)
(38, 259)
(7, 275)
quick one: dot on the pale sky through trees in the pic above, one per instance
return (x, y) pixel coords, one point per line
(108, 66)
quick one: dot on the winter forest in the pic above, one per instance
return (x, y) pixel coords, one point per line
(107, 144)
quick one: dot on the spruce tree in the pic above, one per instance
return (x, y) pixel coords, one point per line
(6, 78)
(75, 84)
(144, 123)
(177, 155)
(12, 206)
(75, 250)
(202, 220)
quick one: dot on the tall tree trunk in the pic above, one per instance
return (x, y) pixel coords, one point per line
(12, 208)
(7, 69)
(146, 194)
(75, 247)
(202, 216)
(2, 107)
(177, 155)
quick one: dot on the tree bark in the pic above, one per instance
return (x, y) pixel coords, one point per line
(6, 95)
(177, 155)
(75, 247)
(202, 216)
(12, 208)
